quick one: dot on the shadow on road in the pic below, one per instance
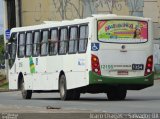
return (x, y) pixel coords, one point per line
(45, 99)
(92, 99)
(81, 99)
(144, 98)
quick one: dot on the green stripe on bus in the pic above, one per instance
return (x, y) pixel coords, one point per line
(97, 79)
(32, 66)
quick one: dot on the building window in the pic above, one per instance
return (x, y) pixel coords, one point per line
(53, 42)
(21, 45)
(29, 39)
(44, 43)
(36, 45)
(73, 40)
(83, 39)
(63, 41)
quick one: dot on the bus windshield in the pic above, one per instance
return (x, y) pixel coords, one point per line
(122, 31)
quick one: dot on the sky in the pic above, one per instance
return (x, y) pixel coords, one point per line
(1, 17)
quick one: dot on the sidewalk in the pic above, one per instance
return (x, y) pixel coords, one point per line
(4, 90)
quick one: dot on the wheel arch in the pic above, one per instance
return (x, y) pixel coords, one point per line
(20, 79)
(61, 73)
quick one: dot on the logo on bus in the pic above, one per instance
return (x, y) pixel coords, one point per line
(81, 62)
(95, 46)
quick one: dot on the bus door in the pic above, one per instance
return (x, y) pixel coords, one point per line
(11, 49)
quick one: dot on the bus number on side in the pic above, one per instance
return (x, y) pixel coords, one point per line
(106, 67)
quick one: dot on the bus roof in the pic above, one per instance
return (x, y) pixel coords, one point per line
(51, 24)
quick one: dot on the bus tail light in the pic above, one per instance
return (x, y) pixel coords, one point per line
(95, 64)
(149, 65)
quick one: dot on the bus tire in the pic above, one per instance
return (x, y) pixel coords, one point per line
(65, 94)
(117, 94)
(26, 94)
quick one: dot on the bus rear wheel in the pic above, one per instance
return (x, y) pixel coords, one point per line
(65, 94)
(117, 93)
(26, 94)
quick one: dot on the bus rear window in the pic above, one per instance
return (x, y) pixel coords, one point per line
(122, 31)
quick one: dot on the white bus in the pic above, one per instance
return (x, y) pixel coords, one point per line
(100, 54)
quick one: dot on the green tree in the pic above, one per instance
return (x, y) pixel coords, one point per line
(1, 49)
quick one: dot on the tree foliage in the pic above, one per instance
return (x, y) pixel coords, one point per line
(1, 44)
(1, 48)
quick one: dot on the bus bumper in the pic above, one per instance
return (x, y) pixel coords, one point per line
(131, 83)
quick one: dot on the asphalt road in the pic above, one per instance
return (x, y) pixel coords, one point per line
(145, 101)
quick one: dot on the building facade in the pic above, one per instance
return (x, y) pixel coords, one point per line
(25, 12)
(31, 12)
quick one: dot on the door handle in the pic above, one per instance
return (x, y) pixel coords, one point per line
(123, 48)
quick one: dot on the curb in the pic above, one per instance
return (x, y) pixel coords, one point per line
(7, 90)
(4, 90)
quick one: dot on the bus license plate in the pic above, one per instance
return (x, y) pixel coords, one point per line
(122, 72)
(137, 66)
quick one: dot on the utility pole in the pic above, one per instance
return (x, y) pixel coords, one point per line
(17, 11)
(5, 26)
(5, 17)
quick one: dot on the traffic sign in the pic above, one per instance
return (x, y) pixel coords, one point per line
(8, 34)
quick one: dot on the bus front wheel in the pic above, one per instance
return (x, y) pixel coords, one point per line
(65, 94)
(26, 94)
(116, 93)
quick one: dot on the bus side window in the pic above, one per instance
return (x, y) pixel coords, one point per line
(53, 42)
(63, 41)
(21, 45)
(13, 45)
(14, 48)
(36, 45)
(29, 39)
(44, 43)
(73, 39)
(83, 39)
